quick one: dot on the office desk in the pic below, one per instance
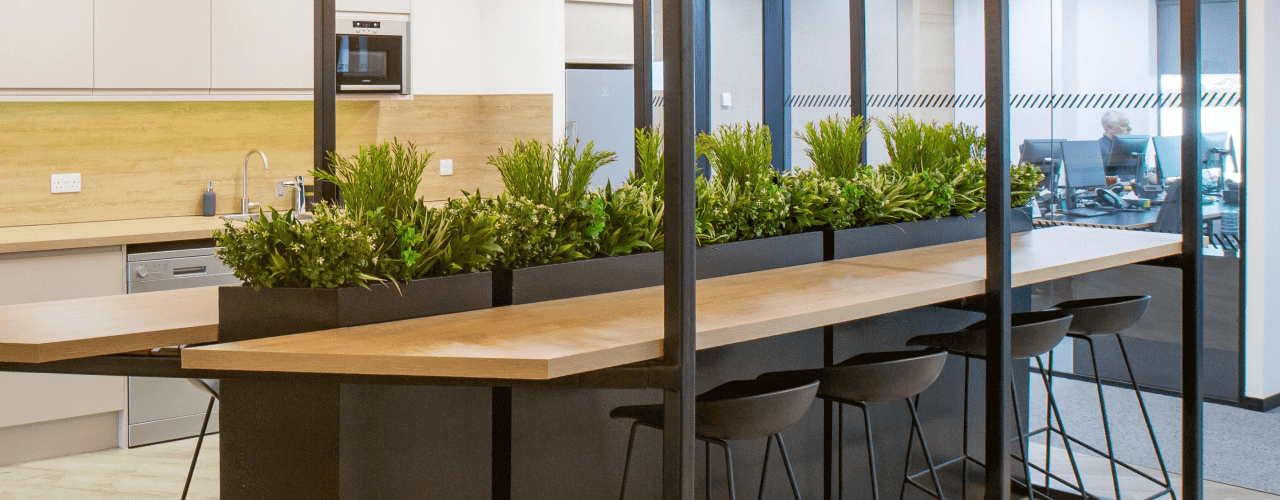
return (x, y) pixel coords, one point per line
(1126, 220)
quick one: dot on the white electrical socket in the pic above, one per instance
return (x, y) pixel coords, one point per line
(64, 183)
(446, 167)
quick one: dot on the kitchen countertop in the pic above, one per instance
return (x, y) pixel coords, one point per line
(563, 337)
(106, 233)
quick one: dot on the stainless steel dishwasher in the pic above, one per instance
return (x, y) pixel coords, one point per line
(164, 409)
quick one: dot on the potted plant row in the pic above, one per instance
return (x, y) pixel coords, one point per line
(384, 255)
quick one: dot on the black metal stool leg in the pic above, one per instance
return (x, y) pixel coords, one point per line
(764, 470)
(1106, 426)
(911, 441)
(840, 457)
(1146, 417)
(728, 469)
(706, 447)
(1022, 440)
(626, 465)
(1057, 415)
(924, 446)
(199, 442)
(871, 453)
(786, 462)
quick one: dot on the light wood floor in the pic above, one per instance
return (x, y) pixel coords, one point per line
(149, 472)
(158, 472)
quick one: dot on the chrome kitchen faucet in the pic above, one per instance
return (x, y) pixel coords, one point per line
(245, 205)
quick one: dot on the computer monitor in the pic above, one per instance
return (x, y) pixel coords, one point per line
(1213, 146)
(1128, 151)
(1168, 156)
(1041, 151)
(1083, 166)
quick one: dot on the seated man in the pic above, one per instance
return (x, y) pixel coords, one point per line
(1113, 123)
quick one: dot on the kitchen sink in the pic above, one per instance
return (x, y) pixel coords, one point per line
(303, 217)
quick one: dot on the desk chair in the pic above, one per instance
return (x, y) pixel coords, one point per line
(214, 388)
(737, 410)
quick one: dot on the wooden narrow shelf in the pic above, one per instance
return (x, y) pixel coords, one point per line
(564, 337)
(67, 329)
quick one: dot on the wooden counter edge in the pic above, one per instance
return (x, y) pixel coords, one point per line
(212, 358)
(84, 348)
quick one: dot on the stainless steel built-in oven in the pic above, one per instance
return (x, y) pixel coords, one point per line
(373, 55)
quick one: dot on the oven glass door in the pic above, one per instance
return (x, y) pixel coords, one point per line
(369, 63)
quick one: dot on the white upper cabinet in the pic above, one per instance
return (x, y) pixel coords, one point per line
(48, 44)
(151, 44)
(262, 44)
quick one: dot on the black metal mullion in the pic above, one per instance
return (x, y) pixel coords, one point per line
(998, 282)
(858, 62)
(1244, 181)
(1192, 258)
(326, 89)
(642, 31)
(702, 73)
(776, 50)
(679, 119)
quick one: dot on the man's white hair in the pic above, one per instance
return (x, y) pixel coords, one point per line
(1111, 118)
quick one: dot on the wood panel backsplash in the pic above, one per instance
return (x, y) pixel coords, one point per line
(152, 159)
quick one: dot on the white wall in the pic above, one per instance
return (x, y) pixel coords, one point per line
(1262, 340)
(1064, 47)
(490, 47)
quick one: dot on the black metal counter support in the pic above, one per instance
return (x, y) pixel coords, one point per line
(642, 45)
(679, 260)
(998, 286)
(326, 89)
(777, 78)
(1192, 258)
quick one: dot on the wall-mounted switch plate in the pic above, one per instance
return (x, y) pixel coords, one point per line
(64, 183)
(726, 99)
(446, 167)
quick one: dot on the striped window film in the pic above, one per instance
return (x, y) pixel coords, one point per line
(1018, 101)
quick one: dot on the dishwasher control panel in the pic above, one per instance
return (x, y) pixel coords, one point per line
(174, 269)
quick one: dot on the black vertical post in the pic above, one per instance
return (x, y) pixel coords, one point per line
(999, 303)
(777, 78)
(1192, 258)
(858, 60)
(679, 40)
(642, 42)
(326, 88)
(500, 434)
(702, 70)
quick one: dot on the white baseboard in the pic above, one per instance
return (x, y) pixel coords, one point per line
(59, 438)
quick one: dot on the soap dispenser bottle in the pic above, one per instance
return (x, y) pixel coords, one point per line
(210, 201)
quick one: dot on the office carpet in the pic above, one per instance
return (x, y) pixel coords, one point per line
(1242, 447)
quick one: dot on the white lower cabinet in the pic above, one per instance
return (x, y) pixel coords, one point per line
(46, 415)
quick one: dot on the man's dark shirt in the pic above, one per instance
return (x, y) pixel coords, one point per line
(1104, 146)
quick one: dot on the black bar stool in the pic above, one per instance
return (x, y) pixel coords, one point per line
(872, 378)
(1033, 334)
(737, 410)
(1107, 317)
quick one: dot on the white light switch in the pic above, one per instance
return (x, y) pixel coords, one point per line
(726, 100)
(64, 183)
(446, 167)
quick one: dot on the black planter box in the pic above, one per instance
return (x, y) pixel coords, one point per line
(245, 313)
(860, 241)
(628, 272)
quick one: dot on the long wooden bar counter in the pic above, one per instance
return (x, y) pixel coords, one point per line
(79, 328)
(558, 338)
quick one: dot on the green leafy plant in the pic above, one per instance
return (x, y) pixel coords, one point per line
(729, 212)
(739, 155)
(817, 200)
(1025, 181)
(652, 167)
(548, 174)
(835, 145)
(632, 220)
(381, 176)
(330, 252)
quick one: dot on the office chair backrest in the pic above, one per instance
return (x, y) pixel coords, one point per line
(1169, 220)
(1168, 155)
